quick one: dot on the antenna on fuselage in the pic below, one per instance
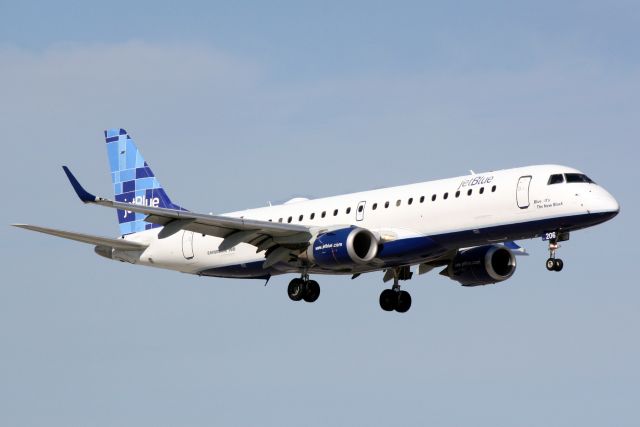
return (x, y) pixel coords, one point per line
(471, 172)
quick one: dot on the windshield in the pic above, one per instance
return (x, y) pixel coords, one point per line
(578, 177)
(556, 179)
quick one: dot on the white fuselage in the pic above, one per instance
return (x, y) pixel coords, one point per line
(457, 212)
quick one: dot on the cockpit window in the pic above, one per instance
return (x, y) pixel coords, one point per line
(578, 177)
(556, 179)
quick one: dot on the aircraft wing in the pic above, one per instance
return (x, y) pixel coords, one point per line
(121, 244)
(263, 234)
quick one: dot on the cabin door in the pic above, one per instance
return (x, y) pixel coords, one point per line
(187, 244)
(522, 193)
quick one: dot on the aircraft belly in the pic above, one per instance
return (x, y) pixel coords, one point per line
(243, 262)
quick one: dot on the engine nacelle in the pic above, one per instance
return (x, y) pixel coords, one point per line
(343, 248)
(483, 265)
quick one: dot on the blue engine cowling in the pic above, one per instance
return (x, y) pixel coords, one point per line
(343, 248)
(483, 265)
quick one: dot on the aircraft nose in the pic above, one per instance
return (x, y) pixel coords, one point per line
(608, 203)
(613, 205)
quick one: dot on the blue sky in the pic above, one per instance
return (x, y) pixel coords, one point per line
(235, 105)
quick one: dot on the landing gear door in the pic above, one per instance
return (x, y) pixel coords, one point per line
(360, 211)
(522, 193)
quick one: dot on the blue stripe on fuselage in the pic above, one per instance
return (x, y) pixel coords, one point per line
(416, 249)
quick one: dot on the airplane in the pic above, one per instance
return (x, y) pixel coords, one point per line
(466, 225)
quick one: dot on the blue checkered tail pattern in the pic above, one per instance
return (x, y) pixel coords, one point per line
(133, 181)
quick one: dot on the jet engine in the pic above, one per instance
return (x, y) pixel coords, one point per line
(483, 265)
(343, 248)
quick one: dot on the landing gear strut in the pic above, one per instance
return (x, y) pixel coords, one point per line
(303, 289)
(553, 263)
(394, 298)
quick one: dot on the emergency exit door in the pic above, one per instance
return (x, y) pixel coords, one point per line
(360, 211)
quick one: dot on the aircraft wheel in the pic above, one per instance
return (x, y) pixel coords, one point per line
(559, 264)
(388, 300)
(312, 292)
(551, 264)
(296, 289)
(404, 302)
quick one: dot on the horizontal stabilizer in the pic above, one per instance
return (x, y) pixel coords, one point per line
(121, 244)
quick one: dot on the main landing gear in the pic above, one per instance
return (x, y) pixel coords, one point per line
(553, 263)
(303, 289)
(394, 298)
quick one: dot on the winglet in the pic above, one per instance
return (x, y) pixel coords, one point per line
(84, 195)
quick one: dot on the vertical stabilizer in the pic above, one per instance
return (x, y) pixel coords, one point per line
(133, 181)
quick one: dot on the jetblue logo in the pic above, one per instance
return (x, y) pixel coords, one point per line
(143, 201)
(476, 180)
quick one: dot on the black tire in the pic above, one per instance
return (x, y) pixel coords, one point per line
(312, 292)
(551, 264)
(296, 289)
(388, 300)
(404, 302)
(559, 265)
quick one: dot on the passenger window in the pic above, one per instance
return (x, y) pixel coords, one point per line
(324, 213)
(457, 194)
(446, 196)
(360, 208)
(433, 198)
(289, 219)
(335, 212)
(348, 211)
(386, 205)
(556, 179)
(493, 189)
(481, 190)
(374, 207)
(398, 202)
(270, 220)
(313, 215)
(470, 192)
(421, 199)
(410, 200)
(300, 217)
(280, 220)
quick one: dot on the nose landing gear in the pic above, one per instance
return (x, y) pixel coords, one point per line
(553, 263)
